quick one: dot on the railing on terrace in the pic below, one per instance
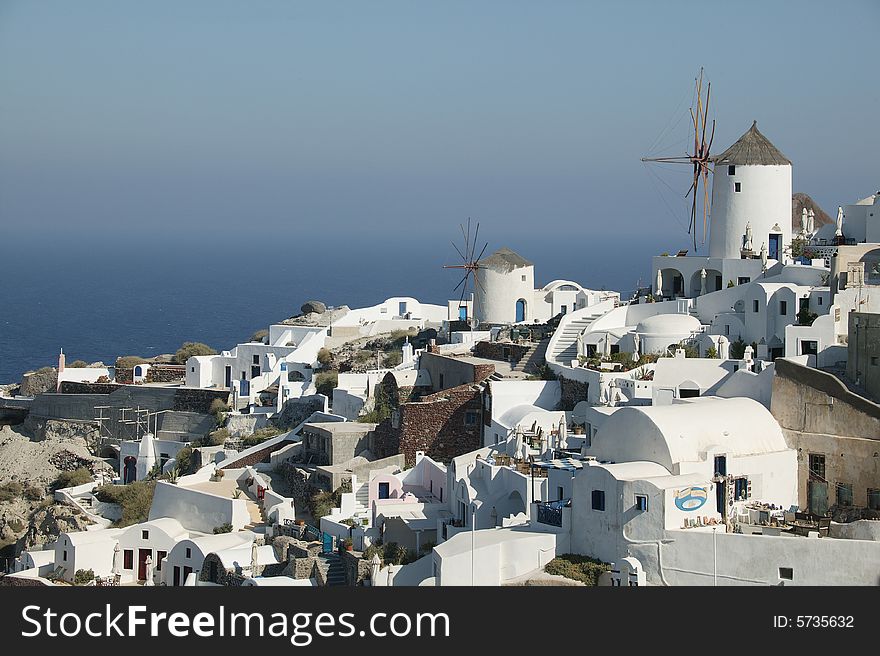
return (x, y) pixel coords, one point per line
(551, 513)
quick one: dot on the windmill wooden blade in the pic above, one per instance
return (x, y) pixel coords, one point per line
(459, 252)
(474, 249)
(477, 261)
(464, 288)
(461, 282)
(705, 202)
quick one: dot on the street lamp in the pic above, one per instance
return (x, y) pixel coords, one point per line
(714, 557)
(473, 537)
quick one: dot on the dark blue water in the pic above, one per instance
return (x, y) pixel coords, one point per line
(100, 300)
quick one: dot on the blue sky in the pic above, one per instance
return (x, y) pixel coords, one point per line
(185, 118)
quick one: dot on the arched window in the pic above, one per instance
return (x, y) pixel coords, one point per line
(520, 310)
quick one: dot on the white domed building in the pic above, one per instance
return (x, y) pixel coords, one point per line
(659, 331)
(506, 293)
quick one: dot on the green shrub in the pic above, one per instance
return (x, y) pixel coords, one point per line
(218, 406)
(325, 382)
(33, 493)
(83, 576)
(129, 361)
(392, 359)
(325, 357)
(223, 528)
(190, 349)
(577, 567)
(260, 436)
(134, 498)
(184, 460)
(711, 352)
(737, 349)
(214, 438)
(322, 503)
(381, 407)
(16, 525)
(79, 476)
(11, 490)
(77, 364)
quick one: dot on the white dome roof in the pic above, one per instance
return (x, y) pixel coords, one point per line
(668, 324)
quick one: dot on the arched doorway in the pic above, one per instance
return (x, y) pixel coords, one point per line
(129, 472)
(520, 310)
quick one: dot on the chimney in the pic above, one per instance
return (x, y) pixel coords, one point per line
(60, 370)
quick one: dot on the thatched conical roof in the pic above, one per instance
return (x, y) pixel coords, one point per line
(753, 148)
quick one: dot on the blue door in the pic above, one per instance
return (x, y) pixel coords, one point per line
(401, 307)
(462, 312)
(773, 253)
(520, 310)
(244, 387)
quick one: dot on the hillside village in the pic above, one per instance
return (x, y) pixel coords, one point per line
(719, 427)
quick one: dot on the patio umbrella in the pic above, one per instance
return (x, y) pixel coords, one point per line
(637, 343)
(563, 434)
(117, 569)
(659, 282)
(519, 441)
(603, 395)
(254, 558)
(839, 223)
(606, 347)
(524, 451)
(748, 245)
(148, 573)
(811, 221)
(763, 256)
(804, 220)
(702, 282)
(375, 566)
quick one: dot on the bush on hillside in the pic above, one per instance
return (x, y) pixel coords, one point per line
(79, 476)
(190, 349)
(135, 500)
(129, 361)
(326, 382)
(577, 567)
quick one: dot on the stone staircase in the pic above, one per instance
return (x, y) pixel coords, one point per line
(533, 358)
(258, 527)
(334, 571)
(565, 348)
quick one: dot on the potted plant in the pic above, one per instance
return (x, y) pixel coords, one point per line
(348, 544)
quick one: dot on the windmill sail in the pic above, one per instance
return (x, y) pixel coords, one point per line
(699, 159)
(469, 262)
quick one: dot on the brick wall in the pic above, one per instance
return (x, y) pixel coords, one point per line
(254, 458)
(357, 570)
(124, 375)
(573, 391)
(436, 424)
(166, 373)
(497, 351)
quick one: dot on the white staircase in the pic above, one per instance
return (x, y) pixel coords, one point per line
(362, 500)
(563, 346)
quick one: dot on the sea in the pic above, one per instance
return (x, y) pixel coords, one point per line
(100, 299)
